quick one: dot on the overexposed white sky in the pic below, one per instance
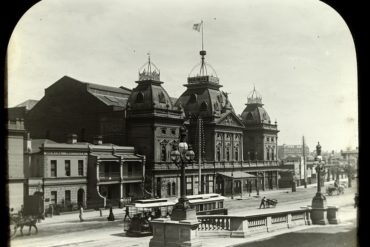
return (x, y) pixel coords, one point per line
(299, 54)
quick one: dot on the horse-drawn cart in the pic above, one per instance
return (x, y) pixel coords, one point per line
(271, 202)
(32, 213)
(331, 190)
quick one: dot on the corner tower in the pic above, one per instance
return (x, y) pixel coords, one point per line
(153, 126)
(260, 135)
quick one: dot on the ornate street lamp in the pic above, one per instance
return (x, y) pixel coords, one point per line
(318, 214)
(181, 156)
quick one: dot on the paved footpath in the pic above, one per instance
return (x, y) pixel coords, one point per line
(66, 230)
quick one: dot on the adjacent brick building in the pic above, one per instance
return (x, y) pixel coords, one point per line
(74, 173)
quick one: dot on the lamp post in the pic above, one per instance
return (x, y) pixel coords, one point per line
(181, 156)
(182, 229)
(318, 214)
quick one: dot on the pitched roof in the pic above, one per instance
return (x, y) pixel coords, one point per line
(29, 104)
(37, 143)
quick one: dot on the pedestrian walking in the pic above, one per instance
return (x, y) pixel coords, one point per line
(263, 202)
(111, 215)
(127, 213)
(81, 213)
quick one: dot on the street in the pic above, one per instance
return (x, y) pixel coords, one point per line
(66, 230)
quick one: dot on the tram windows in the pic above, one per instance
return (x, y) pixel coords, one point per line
(220, 204)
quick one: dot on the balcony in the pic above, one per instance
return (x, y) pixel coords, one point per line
(109, 176)
(219, 165)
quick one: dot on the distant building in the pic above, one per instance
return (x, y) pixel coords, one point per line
(15, 146)
(284, 151)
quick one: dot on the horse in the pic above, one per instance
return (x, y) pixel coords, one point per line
(22, 221)
(340, 189)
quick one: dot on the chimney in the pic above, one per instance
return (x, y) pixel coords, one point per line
(72, 138)
(98, 140)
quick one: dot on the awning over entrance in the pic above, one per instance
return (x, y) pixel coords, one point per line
(236, 174)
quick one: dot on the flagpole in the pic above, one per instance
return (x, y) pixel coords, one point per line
(202, 34)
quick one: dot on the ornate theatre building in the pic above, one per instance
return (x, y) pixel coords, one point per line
(235, 154)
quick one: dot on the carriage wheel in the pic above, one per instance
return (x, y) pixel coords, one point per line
(13, 229)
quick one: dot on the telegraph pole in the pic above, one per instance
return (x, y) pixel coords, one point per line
(304, 162)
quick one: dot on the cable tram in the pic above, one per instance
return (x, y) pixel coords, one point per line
(141, 212)
(207, 204)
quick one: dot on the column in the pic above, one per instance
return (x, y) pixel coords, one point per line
(277, 179)
(241, 187)
(121, 170)
(263, 181)
(97, 171)
(121, 190)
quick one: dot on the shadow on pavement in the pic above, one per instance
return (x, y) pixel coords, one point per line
(122, 234)
(341, 236)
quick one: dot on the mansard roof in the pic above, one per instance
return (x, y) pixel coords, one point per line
(205, 101)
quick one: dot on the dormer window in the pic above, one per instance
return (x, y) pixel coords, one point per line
(140, 97)
(193, 98)
(203, 106)
(161, 98)
(249, 116)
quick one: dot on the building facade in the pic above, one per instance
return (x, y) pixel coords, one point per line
(15, 146)
(284, 151)
(79, 173)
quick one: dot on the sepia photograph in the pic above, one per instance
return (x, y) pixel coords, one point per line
(182, 123)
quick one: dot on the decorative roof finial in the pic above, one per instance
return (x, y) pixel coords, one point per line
(150, 73)
(254, 97)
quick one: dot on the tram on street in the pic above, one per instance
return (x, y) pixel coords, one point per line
(208, 204)
(141, 212)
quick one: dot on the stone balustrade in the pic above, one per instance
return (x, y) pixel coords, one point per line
(243, 226)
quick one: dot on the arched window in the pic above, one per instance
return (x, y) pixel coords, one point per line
(227, 153)
(236, 153)
(203, 106)
(140, 97)
(169, 188)
(163, 152)
(173, 188)
(272, 154)
(249, 116)
(218, 153)
(268, 153)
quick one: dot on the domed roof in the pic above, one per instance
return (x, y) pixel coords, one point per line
(204, 102)
(149, 93)
(254, 113)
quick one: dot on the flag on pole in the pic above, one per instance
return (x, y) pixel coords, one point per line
(197, 26)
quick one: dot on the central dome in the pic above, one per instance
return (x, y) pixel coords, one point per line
(203, 72)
